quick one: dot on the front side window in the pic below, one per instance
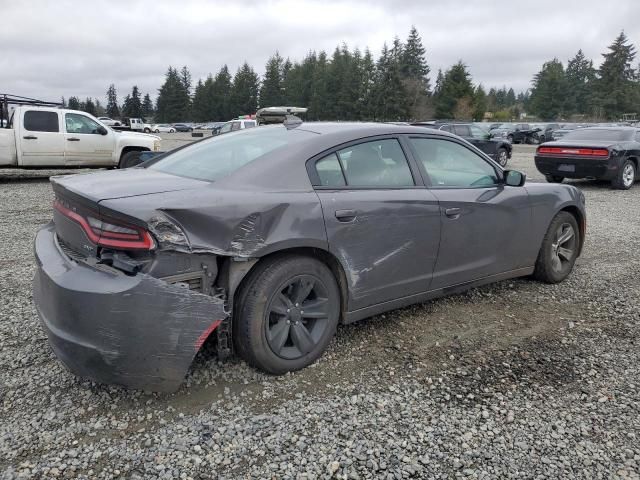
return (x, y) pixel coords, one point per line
(76, 123)
(462, 130)
(449, 164)
(225, 128)
(235, 126)
(477, 132)
(380, 163)
(37, 121)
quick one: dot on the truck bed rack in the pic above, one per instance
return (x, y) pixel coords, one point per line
(7, 99)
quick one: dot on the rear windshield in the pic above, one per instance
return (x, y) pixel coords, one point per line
(217, 157)
(598, 134)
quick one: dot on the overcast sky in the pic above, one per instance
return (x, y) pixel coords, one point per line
(53, 48)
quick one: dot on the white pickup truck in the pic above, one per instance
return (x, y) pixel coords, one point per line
(55, 137)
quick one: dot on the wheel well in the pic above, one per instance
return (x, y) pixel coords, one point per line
(635, 161)
(582, 224)
(322, 255)
(132, 149)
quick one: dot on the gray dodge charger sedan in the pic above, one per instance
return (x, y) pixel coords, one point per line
(263, 240)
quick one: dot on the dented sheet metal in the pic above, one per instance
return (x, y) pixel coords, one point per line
(136, 331)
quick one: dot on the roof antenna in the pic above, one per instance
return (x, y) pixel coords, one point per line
(292, 121)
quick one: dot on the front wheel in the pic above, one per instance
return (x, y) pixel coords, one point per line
(286, 314)
(559, 249)
(130, 159)
(554, 178)
(625, 177)
(502, 157)
(172, 131)
(510, 138)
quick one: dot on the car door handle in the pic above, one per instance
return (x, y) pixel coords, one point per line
(30, 137)
(452, 212)
(73, 139)
(346, 215)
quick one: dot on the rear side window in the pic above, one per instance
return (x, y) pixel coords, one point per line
(380, 163)
(330, 172)
(449, 164)
(249, 124)
(462, 130)
(36, 121)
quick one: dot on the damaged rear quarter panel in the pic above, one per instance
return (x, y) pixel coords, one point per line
(236, 223)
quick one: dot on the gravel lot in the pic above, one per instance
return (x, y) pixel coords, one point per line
(514, 380)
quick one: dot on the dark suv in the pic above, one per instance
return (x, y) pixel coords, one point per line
(497, 148)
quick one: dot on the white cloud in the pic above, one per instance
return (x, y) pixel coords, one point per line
(50, 49)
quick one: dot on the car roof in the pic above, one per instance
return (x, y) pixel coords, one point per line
(286, 169)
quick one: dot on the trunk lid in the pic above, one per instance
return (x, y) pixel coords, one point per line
(78, 197)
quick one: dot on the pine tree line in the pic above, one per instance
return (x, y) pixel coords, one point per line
(353, 85)
(582, 91)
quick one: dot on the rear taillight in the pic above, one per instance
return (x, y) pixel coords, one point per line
(109, 233)
(580, 152)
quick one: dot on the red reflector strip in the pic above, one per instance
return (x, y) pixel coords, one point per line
(203, 337)
(142, 241)
(583, 152)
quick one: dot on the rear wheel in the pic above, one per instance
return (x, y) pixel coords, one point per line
(130, 159)
(502, 157)
(286, 314)
(157, 131)
(626, 176)
(172, 131)
(559, 249)
(554, 178)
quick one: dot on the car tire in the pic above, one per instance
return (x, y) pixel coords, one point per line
(554, 178)
(172, 130)
(147, 130)
(541, 139)
(502, 156)
(156, 131)
(510, 138)
(626, 176)
(271, 330)
(130, 159)
(559, 249)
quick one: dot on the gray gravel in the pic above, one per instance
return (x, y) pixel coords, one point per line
(514, 380)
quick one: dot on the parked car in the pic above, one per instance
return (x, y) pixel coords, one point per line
(182, 127)
(56, 137)
(163, 128)
(109, 122)
(515, 132)
(131, 123)
(234, 125)
(544, 131)
(497, 148)
(603, 153)
(271, 236)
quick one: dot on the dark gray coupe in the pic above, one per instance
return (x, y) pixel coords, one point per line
(265, 239)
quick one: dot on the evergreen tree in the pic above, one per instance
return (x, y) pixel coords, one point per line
(147, 107)
(113, 111)
(73, 103)
(367, 87)
(89, 107)
(318, 108)
(244, 91)
(63, 103)
(479, 104)
(580, 81)
(510, 99)
(271, 89)
(132, 106)
(456, 95)
(220, 93)
(616, 88)
(203, 101)
(173, 100)
(549, 92)
(415, 74)
(99, 109)
(390, 95)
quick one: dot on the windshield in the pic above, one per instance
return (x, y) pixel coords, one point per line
(502, 125)
(215, 158)
(598, 134)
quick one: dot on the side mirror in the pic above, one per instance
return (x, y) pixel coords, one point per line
(513, 178)
(102, 130)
